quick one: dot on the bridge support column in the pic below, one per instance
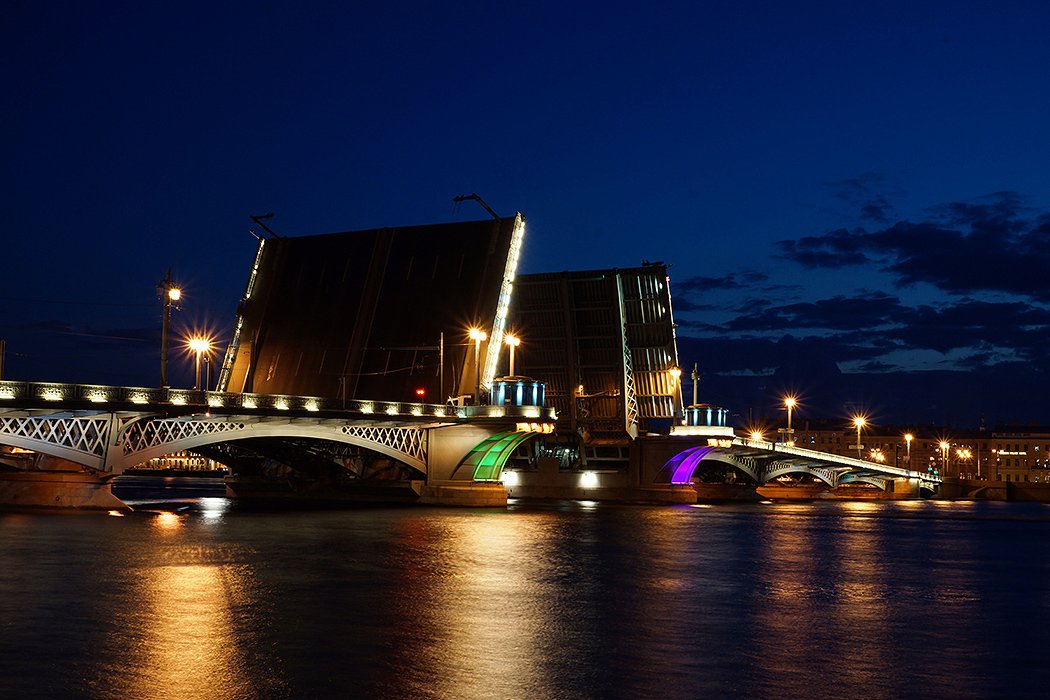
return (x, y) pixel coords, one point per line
(59, 489)
(469, 493)
(904, 489)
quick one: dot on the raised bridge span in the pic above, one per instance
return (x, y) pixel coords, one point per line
(80, 436)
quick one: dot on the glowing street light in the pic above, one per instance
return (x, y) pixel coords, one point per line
(169, 293)
(676, 376)
(512, 342)
(908, 437)
(199, 346)
(860, 423)
(756, 436)
(944, 456)
(789, 402)
(477, 336)
(964, 455)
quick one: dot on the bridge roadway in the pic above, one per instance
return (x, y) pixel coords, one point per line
(79, 436)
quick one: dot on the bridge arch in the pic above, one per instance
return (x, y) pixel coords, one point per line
(489, 456)
(149, 438)
(680, 468)
(880, 482)
(79, 439)
(780, 468)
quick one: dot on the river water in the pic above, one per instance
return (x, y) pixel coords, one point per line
(198, 597)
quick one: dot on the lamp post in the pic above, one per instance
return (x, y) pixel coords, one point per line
(512, 342)
(199, 346)
(908, 437)
(790, 402)
(944, 457)
(860, 423)
(169, 293)
(676, 375)
(477, 336)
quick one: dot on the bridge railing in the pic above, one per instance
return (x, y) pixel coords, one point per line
(57, 394)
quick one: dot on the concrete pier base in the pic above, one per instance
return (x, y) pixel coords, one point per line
(464, 493)
(59, 489)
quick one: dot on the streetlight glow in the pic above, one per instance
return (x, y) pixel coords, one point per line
(789, 402)
(199, 346)
(477, 335)
(860, 422)
(174, 293)
(512, 342)
(676, 375)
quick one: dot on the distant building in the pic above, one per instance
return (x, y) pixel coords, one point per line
(1006, 454)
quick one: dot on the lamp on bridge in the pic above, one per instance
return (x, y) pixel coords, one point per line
(512, 342)
(169, 293)
(477, 336)
(199, 346)
(859, 422)
(908, 437)
(789, 435)
(676, 376)
(944, 445)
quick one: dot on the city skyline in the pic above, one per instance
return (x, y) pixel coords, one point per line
(846, 191)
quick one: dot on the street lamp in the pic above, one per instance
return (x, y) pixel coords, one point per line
(512, 342)
(169, 294)
(860, 423)
(676, 375)
(789, 402)
(908, 437)
(756, 436)
(199, 346)
(477, 336)
(944, 457)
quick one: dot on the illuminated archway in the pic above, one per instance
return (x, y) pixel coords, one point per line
(488, 457)
(679, 469)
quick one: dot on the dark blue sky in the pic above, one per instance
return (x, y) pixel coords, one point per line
(866, 183)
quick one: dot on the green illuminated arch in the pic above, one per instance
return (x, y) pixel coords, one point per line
(488, 456)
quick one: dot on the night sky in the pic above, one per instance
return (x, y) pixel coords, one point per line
(852, 196)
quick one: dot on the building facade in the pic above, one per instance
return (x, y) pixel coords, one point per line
(1005, 454)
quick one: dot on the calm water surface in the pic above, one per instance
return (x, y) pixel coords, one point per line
(199, 598)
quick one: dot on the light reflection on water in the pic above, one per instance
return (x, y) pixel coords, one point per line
(774, 600)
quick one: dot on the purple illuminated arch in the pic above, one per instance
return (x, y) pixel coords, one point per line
(683, 464)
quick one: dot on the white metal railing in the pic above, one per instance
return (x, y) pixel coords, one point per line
(53, 392)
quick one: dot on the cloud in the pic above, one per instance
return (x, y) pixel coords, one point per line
(734, 280)
(991, 245)
(864, 312)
